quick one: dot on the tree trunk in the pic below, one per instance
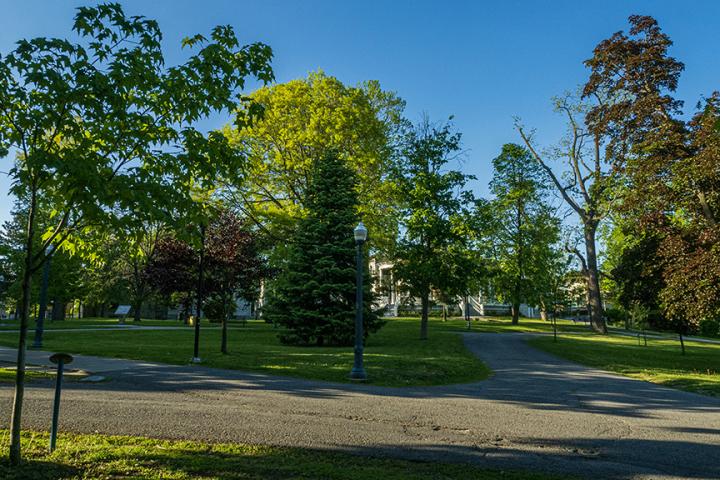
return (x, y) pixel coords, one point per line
(137, 310)
(445, 313)
(58, 311)
(223, 341)
(543, 311)
(16, 420)
(515, 313)
(425, 306)
(682, 343)
(593, 281)
(139, 290)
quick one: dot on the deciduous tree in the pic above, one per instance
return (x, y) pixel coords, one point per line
(435, 207)
(302, 120)
(525, 228)
(96, 124)
(234, 266)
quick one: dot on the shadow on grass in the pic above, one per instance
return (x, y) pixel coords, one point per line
(98, 456)
(37, 470)
(619, 459)
(605, 458)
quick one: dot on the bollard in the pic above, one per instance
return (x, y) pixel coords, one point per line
(61, 359)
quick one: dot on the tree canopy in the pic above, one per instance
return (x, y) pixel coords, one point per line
(302, 119)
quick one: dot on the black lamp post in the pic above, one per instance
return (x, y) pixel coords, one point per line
(358, 371)
(40, 322)
(198, 307)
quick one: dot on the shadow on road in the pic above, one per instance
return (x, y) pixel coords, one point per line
(522, 375)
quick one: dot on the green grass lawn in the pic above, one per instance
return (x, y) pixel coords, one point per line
(393, 357)
(660, 362)
(7, 375)
(98, 456)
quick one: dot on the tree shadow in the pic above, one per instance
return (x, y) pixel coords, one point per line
(617, 459)
(36, 470)
(522, 375)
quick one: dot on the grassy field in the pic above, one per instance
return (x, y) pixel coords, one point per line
(97, 456)
(660, 362)
(7, 375)
(393, 357)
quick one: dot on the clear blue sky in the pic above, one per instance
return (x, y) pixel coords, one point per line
(481, 61)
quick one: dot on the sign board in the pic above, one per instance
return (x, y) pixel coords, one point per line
(122, 310)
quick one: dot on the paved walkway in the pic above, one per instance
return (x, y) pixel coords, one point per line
(85, 363)
(537, 412)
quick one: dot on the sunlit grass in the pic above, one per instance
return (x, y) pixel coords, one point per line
(100, 456)
(395, 356)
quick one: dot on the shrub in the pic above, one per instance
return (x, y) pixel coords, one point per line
(710, 328)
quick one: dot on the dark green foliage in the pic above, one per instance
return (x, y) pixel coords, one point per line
(638, 277)
(710, 328)
(314, 293)
(66, 280)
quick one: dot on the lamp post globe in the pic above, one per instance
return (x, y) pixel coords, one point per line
(358, 371)
(360, 232)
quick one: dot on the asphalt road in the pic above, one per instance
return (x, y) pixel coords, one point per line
(536, 412)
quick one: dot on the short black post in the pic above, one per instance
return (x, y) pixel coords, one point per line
(467, 312)
(61, 359)
(40, 322)
(358, 371)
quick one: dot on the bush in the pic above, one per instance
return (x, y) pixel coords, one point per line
(616, 316)
(710, 328)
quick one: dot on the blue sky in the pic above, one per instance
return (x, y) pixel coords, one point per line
(483, 62)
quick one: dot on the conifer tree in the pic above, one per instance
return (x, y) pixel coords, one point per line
(313, 296)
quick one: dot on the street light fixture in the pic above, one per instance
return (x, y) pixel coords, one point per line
(358, 371)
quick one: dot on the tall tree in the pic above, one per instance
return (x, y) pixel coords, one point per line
(95, 122)
(434, 207)
(303, 119)
(689, 225)
(586, 186)
(625, 95)
(670, 166)
(526, 229)
(313, 296)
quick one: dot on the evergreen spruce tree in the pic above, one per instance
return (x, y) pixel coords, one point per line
(313, 297)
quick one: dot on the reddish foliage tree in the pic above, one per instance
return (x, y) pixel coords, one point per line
(172, 271)
(671, 184)
(233, 265)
